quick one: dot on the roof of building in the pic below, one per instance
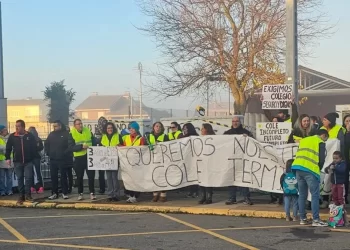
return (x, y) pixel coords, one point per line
(99, 102)
(25, 102)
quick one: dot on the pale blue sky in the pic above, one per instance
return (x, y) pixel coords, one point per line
(93, 45)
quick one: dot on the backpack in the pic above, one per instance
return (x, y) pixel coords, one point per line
(336, 216)
(290, 184)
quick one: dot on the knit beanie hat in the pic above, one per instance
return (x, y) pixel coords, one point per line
(135, 126)
(332, 117)
(2, 127)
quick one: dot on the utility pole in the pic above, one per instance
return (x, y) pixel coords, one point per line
(292, 47)
(229, 99)
(3, 101)
(207, 98)
(140, 70)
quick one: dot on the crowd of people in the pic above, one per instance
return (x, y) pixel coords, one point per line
(67, 149)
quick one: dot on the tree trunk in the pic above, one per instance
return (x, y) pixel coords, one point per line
(240, 101)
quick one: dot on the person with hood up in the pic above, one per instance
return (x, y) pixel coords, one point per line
(37, 163)
(237, 129)
(157, 135)
(133, 139)
(6, 171)
(56, 147)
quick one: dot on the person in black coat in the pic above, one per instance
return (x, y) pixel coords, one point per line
(237, 129)
(56, 147)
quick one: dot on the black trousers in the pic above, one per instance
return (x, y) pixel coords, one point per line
(346, 184)
(70, 178)
(56, 166)
(206, 190)
(80, 167)
(102, 180)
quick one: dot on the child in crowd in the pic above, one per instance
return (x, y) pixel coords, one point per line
(289, 185)
(337, 171)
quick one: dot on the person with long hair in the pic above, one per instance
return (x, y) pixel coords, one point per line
(37, 163)
(346, 126)
(207, 192)
(157, 135)
(111, 138)
(175, 131)
(189, 130)
(302, 128)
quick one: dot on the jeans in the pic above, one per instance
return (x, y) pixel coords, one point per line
(232, 190)
(56, 166)
(101, 180)
(6, 180)
(112, 183)
(288, 201)
(24, 171)
(80, 166)
(307, 181)
(37, 165)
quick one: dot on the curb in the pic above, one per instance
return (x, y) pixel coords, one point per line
(154, 209)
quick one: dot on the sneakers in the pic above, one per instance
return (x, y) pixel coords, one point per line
(3, 194)
(10, 193)
(53, 197)
(131, 200)
(20, 200)
(155, 198)
(295, 218)
(33, 190)
(80, 197)
(29, 198)
(247, 201)
(304, 222)
(162, 199)
(41, 190)
(64, 196)
(115, 199)
(288, 218)
(92, 196)
(319, 223)
(231, 202)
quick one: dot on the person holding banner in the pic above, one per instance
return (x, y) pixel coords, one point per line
(302, 128)
(111, 138)
(79, 140)
(133, 139)
(175, 131)
(157, 135)
(207, 192)
(237, 129)
(308, 162)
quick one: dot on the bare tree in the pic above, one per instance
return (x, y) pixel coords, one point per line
(220, 42)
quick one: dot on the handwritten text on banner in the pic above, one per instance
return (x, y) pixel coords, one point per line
(277, 96)
(102, 158)
(275, 133)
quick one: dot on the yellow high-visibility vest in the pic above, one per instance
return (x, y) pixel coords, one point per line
(333, 132)
(152, 139)
(307, 156)
(297, 138)
(128, 142)
(113, 142)
(2, 156)
(81, 138)
(173, 136)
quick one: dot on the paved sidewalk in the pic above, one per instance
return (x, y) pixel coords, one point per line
(177, 203)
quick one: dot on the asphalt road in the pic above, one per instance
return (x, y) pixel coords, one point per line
(23, 228)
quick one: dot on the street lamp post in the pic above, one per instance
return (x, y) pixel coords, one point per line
(3, 101)
(140, 70)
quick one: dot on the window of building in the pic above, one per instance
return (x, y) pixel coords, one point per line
(84, 115)
(99, 114)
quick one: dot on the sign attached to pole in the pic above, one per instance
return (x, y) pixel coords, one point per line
(275, 133)
(277, 96)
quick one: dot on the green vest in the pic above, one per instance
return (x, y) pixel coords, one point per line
(2, 156)
(152, 139)
(333, 132)
(113, 142)
(307, 155)
(80, 139)
(173, 136)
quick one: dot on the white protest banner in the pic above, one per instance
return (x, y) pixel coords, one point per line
(275, 133)
(278, 96)
(102, 158)
(210, 161)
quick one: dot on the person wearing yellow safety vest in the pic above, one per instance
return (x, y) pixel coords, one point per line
(175, 131)
(308, 163)
(133, 139)
(157, 135)
(6, 171)
(302, 128)
(111, 138)
(79, 140)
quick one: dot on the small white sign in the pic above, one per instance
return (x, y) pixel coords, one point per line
(275, 133)
(102, 158)
(277, 96)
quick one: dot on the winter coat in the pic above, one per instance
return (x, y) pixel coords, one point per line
(338, 175)
(23, 147)
(56, 147)
(239, 131)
